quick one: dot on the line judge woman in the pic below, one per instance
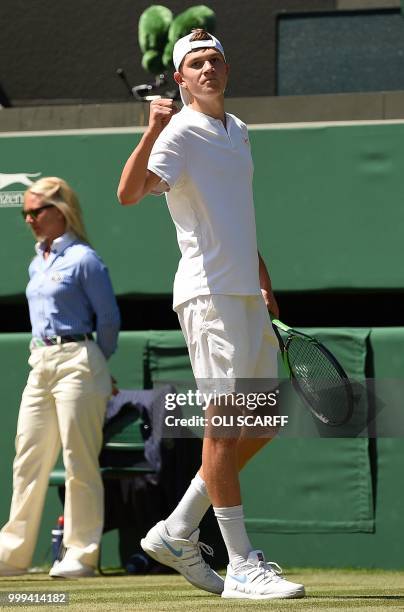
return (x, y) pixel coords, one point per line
(64, 401)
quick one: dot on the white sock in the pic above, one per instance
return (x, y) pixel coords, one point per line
(190, 510)
(234, 533)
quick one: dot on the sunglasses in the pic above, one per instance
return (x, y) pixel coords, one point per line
(34, 212)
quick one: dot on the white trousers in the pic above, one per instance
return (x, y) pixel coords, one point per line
(63, 404)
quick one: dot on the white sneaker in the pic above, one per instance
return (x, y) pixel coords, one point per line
(10, 570)
(71, 568)
(257, 579)
(184, 556)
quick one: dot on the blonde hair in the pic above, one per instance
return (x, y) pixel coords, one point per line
(56, 191)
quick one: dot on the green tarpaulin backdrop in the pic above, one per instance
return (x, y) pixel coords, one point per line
(318, 503)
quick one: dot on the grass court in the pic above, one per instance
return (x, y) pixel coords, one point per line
(327, 590)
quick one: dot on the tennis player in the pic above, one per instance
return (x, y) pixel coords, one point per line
(200, 158)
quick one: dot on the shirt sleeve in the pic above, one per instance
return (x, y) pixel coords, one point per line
(167, 158)
(97, 285)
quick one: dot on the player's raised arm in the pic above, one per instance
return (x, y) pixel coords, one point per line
(136, 180)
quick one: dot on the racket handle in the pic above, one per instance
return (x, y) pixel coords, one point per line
(279, 337)
(278, 324)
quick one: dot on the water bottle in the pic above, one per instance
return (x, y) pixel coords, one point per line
(57, 539)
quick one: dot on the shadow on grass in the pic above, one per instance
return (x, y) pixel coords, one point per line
(367, 597)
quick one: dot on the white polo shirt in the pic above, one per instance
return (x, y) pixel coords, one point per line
(209, 171)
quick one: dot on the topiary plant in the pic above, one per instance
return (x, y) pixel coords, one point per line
(154, 24)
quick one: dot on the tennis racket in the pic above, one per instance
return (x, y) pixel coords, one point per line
(316, 375)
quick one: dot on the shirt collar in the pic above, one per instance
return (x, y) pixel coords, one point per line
(205, 120)
(58, 245)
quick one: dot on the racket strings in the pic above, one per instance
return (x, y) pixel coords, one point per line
(321, 383)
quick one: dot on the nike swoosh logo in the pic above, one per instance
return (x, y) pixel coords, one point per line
(242, 578)
(177, 553)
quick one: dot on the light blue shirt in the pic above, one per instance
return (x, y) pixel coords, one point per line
(70, 292)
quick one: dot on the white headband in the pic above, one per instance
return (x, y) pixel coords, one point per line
(184, 45)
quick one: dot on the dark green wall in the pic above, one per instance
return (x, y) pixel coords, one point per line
(319, 502)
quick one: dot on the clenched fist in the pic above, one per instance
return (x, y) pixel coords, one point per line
(161, 111)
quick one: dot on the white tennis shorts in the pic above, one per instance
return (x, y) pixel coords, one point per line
(229, 337)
